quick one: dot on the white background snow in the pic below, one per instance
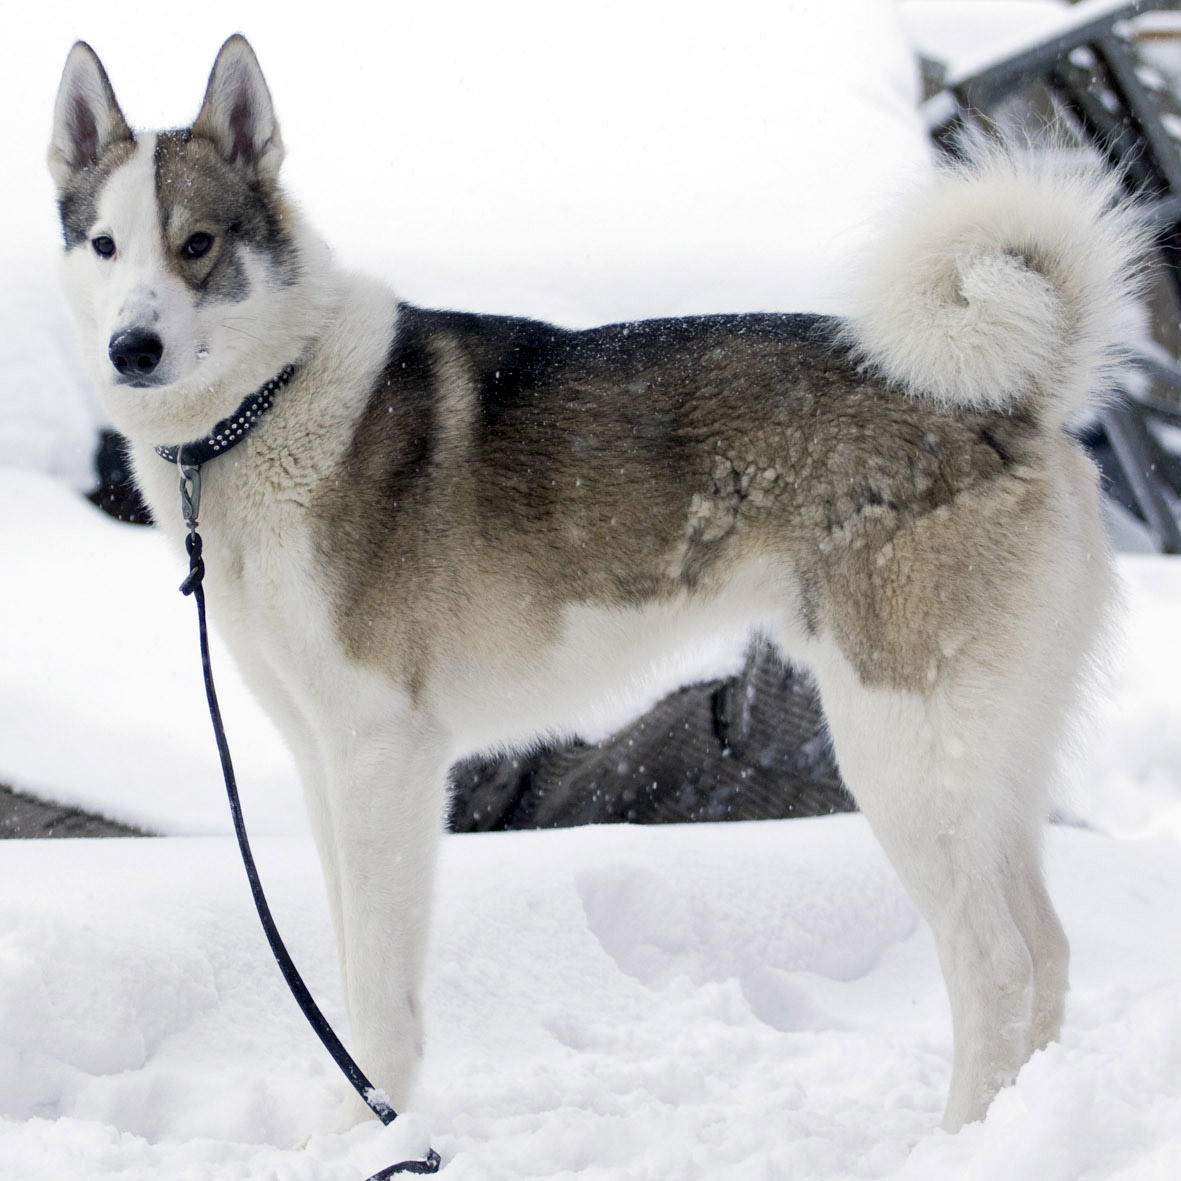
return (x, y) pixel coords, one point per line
(745, 1001)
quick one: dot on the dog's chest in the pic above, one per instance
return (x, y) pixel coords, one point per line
(268, 595)
(267, 591)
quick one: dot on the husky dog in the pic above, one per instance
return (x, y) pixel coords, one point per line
(452, 531)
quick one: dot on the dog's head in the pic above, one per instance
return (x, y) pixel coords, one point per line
(187, 270)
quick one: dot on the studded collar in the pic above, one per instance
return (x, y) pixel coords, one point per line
(230, 431)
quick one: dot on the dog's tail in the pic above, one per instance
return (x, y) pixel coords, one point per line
(1012, 280)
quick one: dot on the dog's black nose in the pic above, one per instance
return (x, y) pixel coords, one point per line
(135, 352)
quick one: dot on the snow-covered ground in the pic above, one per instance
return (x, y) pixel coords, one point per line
(745, 1001)
(752, 1000)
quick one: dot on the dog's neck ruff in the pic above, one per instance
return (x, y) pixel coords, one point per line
(230, 431)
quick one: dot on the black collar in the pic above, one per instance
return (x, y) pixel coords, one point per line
(230, 431)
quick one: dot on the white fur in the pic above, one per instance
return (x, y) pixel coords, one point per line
(1013, 276)
(956, 783)
(602, 658)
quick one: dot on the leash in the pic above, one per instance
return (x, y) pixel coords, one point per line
(374, 1097)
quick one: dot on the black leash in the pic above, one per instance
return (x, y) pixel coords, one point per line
(375, 1099)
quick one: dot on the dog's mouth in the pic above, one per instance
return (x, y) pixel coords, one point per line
(137, 383)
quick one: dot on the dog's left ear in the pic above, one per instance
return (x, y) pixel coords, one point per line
(237, 114)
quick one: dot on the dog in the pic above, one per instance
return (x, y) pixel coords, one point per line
(429, 533)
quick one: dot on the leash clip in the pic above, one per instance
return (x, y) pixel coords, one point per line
(190, 492)
(190, 502)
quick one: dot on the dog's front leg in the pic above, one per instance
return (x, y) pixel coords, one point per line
(387, 797)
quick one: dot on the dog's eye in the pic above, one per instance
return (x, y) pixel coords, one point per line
(198, 244)
(104, 246)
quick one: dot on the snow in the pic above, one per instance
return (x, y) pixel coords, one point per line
(738, 1001)
(714, 1001)
(101, 700)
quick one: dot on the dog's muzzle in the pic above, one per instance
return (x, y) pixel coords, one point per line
(135, 353)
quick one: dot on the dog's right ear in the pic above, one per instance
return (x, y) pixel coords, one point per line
(86, 116)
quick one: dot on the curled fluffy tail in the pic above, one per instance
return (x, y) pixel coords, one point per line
(1012, 279)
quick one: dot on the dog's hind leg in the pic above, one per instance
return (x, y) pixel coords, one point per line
(942, 778)
(1036, 919)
